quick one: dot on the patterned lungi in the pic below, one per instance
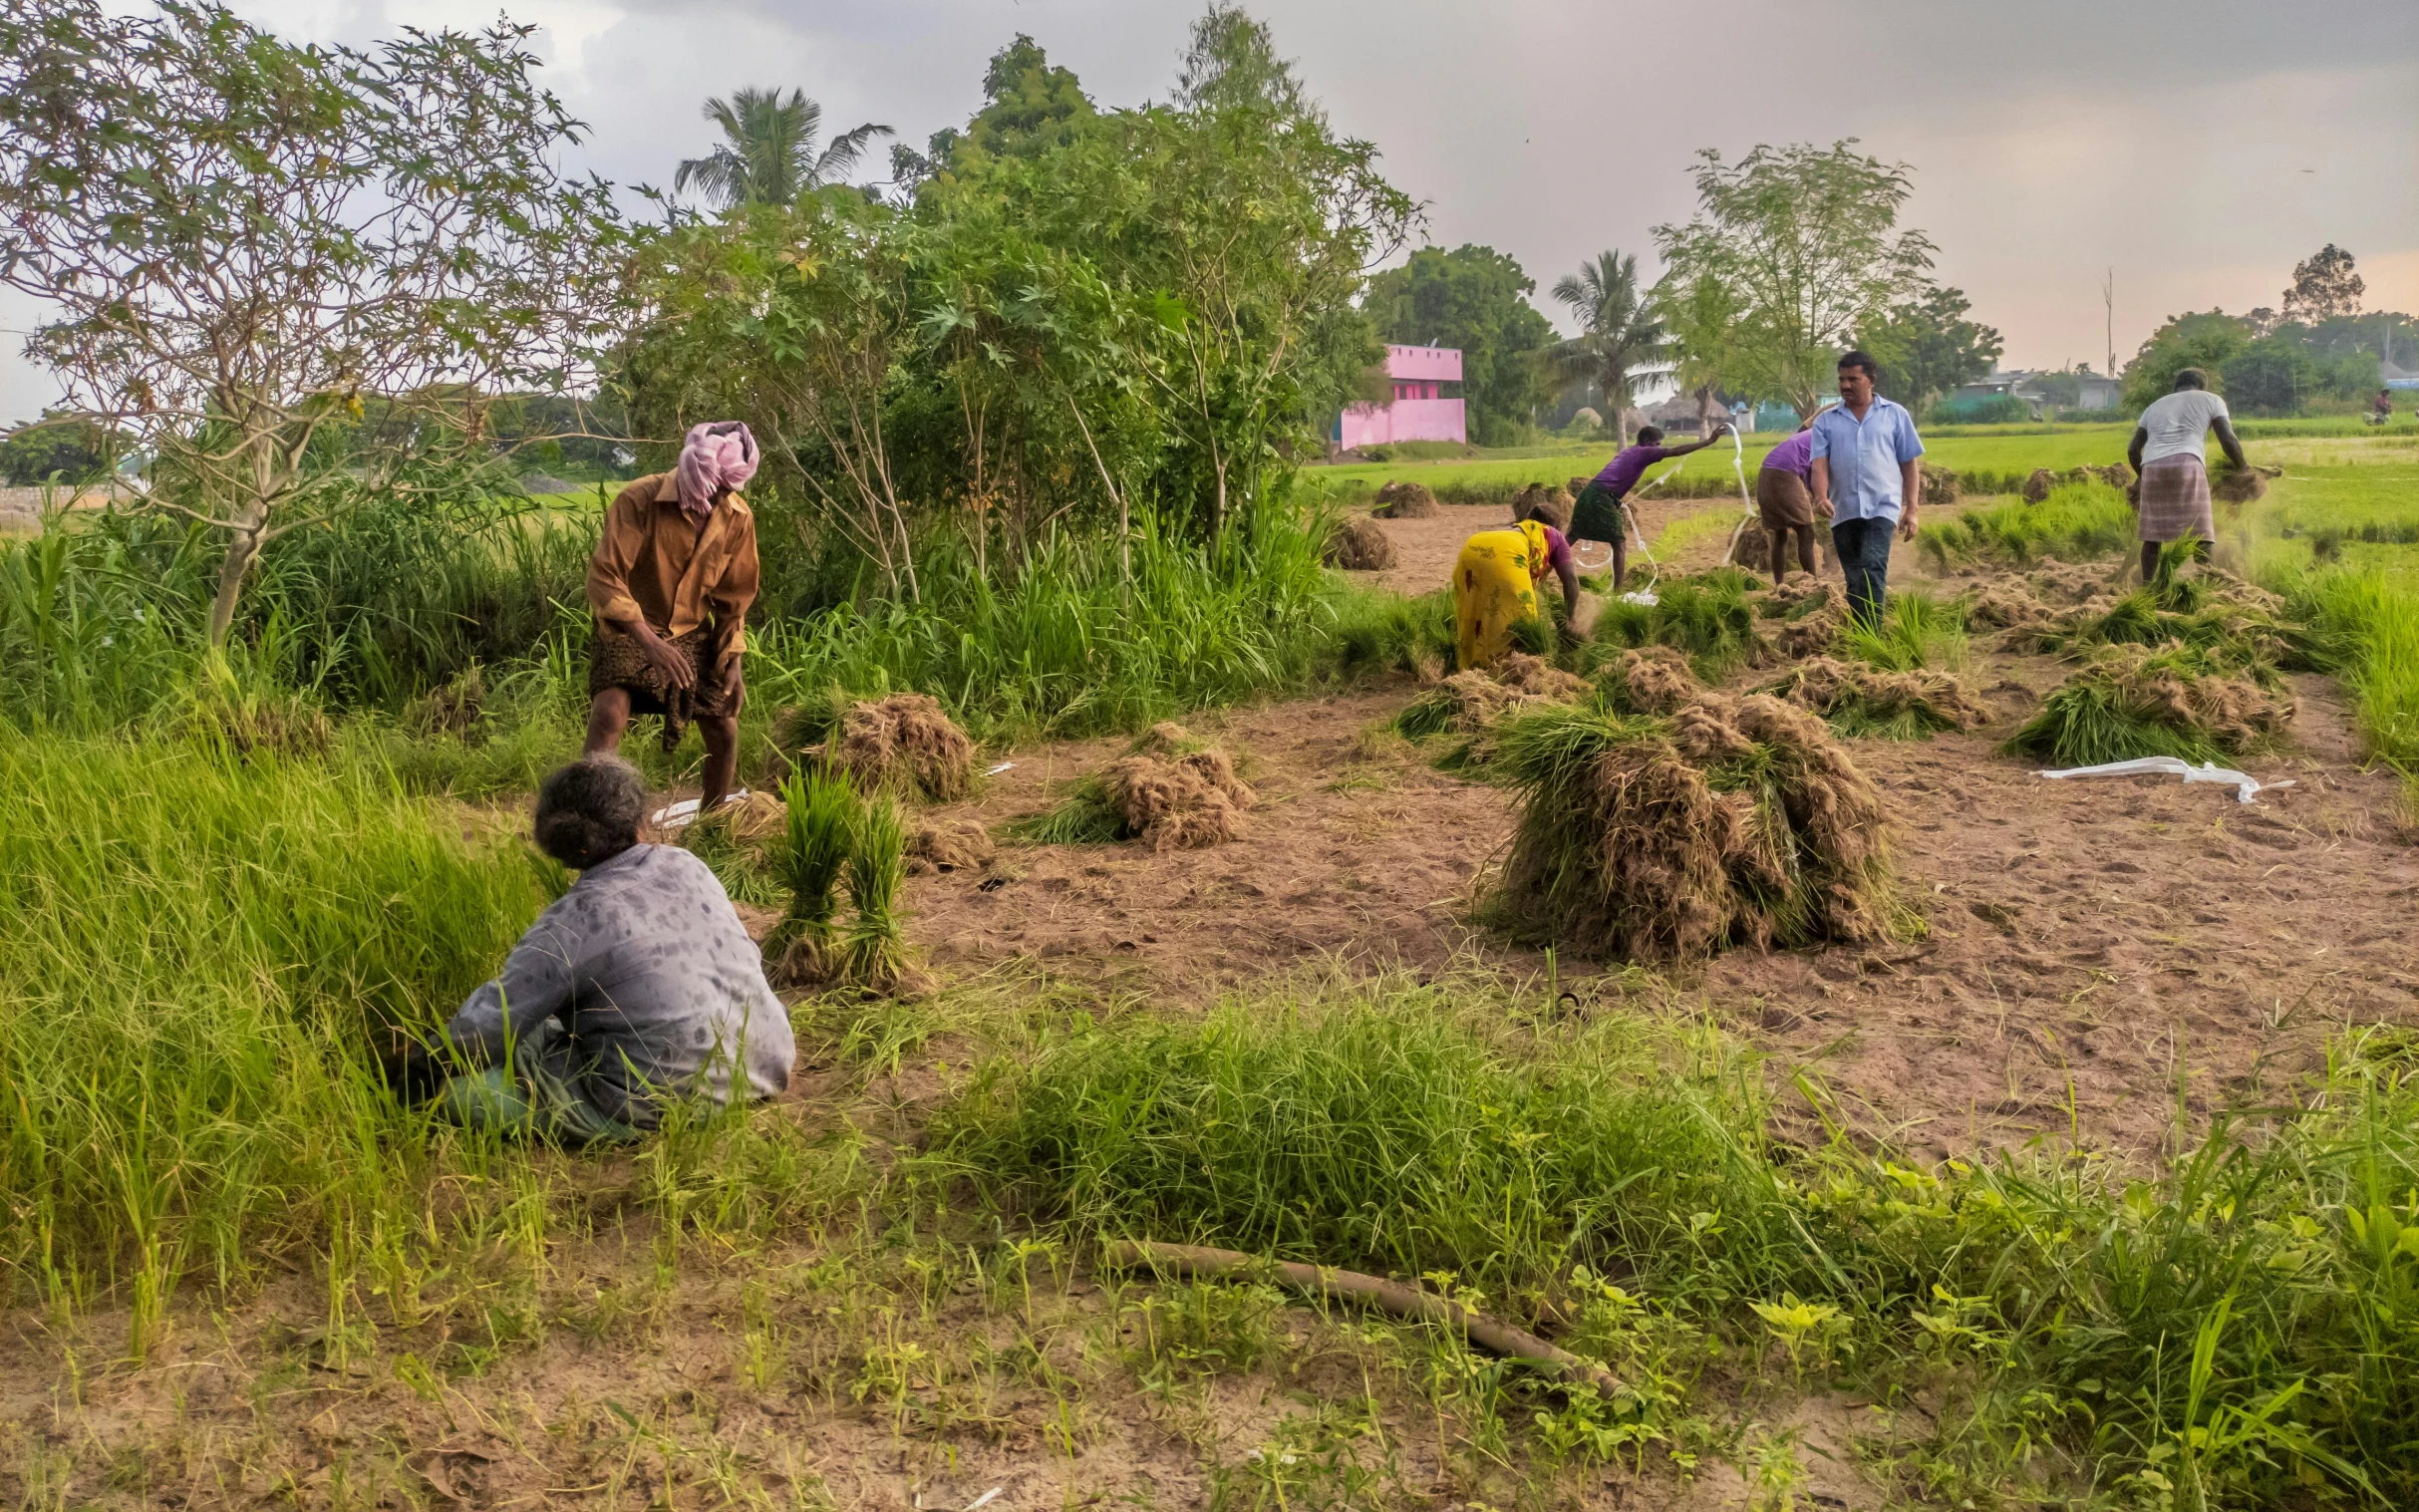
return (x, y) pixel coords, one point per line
(619, 661)
(2175, 501)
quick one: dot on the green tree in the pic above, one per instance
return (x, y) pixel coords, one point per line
(294, 274)
(2272, 376)
(74, 449)
(2208, 341)
(1805, 245)
(1473, 298)
(1619, 335)
(1926, 347)
(2324, 286)
(767, 154)
(1029, 107)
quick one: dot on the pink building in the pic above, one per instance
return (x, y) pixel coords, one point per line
(1417, 410)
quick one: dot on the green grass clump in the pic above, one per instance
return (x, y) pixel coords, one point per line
(1708, 616)
(2221, 1322)
(2375, 620)
(197, 955)
(1378, 631)
(1396, 1134)
(2174, 701)
(2076, 520)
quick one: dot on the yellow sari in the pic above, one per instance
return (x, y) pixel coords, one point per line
(1494, 588)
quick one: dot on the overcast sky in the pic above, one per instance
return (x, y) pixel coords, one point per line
(2198, 149)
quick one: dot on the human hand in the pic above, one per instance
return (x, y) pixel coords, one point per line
(677, 669)
(732, 685)
(1822, 506)
(1906, 525)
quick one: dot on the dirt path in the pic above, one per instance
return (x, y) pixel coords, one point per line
(2091, 945)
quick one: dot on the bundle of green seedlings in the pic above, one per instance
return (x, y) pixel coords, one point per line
(1169, 792)
(1379, 632)
(1669, 837)
(1468, 701)
(2211, 611)
(1708, 616)
(834, 837)
(1810, 614)
(2177, 699)
(1860, 699)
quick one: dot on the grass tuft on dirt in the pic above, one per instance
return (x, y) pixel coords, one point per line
(1734, 821)
(2175, 701)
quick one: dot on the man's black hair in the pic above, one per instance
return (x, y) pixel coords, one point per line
(1864, 360)
(2191, 377)
(1650, 436)
(588, 811)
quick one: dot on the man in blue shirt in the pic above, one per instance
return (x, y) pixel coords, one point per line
(1866, 480)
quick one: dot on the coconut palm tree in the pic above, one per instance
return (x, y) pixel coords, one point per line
(1619, 333)
(769, 154)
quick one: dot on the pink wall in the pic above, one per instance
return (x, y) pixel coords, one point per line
(1403, 419)
(1436, 363)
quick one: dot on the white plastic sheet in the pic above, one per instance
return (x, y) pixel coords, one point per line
(682, 814)
(2246, 787)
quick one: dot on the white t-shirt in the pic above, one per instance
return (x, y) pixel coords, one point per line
(2179, 424)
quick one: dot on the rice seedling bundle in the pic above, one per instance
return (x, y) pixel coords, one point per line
(1359, 543)
(1405, 500)
(1859, 700)
(2139, 700)
(1708, 616)
(1181, 803)
(822, 811)
(1667, 839)
(1471, 701)
(873, 950)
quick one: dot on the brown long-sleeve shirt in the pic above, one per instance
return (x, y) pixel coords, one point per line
(652, 562)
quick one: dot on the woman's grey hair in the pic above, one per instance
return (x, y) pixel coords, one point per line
(589, 810)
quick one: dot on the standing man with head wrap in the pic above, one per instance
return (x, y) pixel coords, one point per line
(670, 581)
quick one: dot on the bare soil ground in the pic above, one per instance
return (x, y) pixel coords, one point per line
(2092, 946)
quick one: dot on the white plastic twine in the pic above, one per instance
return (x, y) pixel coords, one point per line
(1739, 469)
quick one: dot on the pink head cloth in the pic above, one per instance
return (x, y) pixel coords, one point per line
(716, 455)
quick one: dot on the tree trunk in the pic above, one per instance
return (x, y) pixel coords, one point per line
(243, 549)
(1708, 406)
(1616, 391)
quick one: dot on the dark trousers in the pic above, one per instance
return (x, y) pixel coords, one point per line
(1863, 547)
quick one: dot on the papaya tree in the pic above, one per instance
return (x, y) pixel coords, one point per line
(294, 274)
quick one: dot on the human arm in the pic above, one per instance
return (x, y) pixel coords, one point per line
(1909, 448)
(729, 598)
(2227, 439)
(537, 983)
(2133, 449)
(1719, 432)
(1819, 480)
(618, 546)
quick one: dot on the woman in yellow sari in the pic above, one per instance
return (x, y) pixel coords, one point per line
(1495, 584)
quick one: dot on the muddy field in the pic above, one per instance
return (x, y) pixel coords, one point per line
(2090, 945)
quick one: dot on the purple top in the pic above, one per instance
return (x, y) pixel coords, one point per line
(1558, 548)
(1621, 474)
(1796, 454)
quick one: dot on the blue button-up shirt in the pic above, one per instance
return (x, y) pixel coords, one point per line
(1865, 458)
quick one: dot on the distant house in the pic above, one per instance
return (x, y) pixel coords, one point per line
(2397, 377)
(1419, 410)
(2038, 388)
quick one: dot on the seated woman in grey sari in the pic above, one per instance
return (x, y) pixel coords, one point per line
(636, 987)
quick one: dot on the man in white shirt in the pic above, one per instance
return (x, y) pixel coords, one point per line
(2169, 456)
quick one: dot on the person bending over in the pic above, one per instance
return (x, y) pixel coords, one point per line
(1785, 499)
(638, 985)
(1601, 510)
(669, 584)
(1866, 480)
(1495, 584)
(2170, 457)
